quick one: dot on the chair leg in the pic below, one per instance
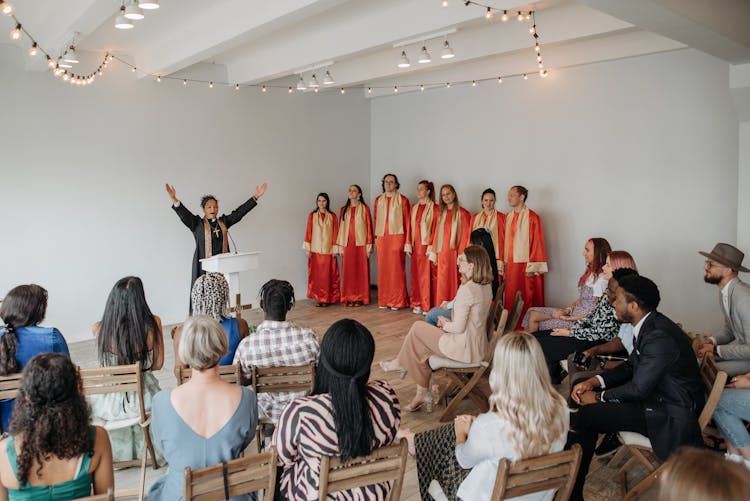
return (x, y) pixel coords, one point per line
(142, 484)
(466, 390)
(644, 485)
(148, 446)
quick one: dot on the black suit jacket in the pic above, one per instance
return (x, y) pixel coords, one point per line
(662, 373)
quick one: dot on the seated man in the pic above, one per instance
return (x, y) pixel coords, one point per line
(657, 392)
(276, 343)
(731, 345)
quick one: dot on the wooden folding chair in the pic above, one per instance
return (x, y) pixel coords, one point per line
(109, 496)
(466, 376)
(280, 380)
(118, 379)
(229, 373)
(385, 464)
(514, 315)
(9, 386)
(552, 471)
(240, 476)
(640, 447)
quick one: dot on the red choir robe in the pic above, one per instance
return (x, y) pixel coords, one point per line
(448, 242)
(322, 266)
(354, 243)
(423, 272)
(391, 235)
(524, 253)
(496, 226)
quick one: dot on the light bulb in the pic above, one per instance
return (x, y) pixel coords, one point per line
(263, 89)
(290, 89)
(421, 88)
(33, 50)
(448, 85)
(539, 58)
(532, 30)
(132, 70)
(499, 80)
(473, 83)
(16, 33)
(210, 85)
(544, 73)
(50, 62)
(445, 3)
(520, 16)
(537, 48)
(528, 16)
(158, 78)
(504, 17)
(488, 13)
(369, 90)
(316, 89)
(6, 8)
(184, 83)
(525, 76)
(343, 91)
(540, 65)
(236, 86)
(65, 76)
(99, 72)
(395, 88)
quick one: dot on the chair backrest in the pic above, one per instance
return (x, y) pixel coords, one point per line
(493, 316)
(283, 379)
(514, 314)
(385, 464)
(500, 296)
(496, 335)
(229, 373)
(9, 385)
(114, 379)
(108, 496)
(552, 471)
(236, 477)
(714, 381)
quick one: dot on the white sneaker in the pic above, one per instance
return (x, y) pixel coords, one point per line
(382, 307)
(393, 308)
(417, 310)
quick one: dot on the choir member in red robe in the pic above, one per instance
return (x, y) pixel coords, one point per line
(525, 256)
(391, 235)
(448, 241)
(494, 221)
(354, 243)
(423, 219)
(322, 266)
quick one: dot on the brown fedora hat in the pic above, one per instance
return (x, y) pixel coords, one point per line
(728, 255)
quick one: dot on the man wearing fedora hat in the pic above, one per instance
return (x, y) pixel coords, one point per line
(731, 345)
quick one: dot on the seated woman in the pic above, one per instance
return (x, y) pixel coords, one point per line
(698, 474)
(210, 297)
(23, 308)
(206, 420)
(464, 338)
(729, 416)
(527, 418)
(127, 333)
(53, 452)
(591, 286)
(345, 416)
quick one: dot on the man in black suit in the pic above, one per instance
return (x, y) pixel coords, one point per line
(657, 392)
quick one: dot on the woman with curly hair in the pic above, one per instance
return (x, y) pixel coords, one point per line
(22, 310)
(52, 451)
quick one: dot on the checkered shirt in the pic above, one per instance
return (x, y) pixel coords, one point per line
(277, 344)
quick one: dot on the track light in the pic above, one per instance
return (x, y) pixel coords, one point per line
(6, 8)
(62, 64)
(132, 11)
(71, 56)
(122, 22)
(424, 56)
(447, 52)
(301, 84)
(148, 4)
(34, 49)
(403, 61)
(313, 84)
(328, 79)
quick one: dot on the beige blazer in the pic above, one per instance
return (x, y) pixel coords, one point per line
(465, 337)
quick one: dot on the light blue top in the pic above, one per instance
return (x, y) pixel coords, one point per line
(183, 447)
(626, 336)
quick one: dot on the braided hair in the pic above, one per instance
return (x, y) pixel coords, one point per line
(210, 296)
(276, 299)
(23, 306)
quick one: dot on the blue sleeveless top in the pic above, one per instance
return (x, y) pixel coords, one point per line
(76, 488)
(232, 328)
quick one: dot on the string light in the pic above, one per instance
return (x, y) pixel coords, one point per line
(16, 33)
(504, 16)
(343, 90)
(369, 90)
(184, 82)
(543, 73)
(525, 76)
(421, 87)
(263, 89)
(448, 85)
(210, 85)
(236, 86)
(532, 30)
(50, 63)
(488, 13)
(473, 83)
(290, 89)
(520, 16)
(445, 3)
(158, 78)
(34, 49)
(6, 8)
(499, 80)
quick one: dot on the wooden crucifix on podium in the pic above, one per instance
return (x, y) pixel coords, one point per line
(231, 265)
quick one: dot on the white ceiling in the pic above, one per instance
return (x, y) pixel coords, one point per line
(268, 42)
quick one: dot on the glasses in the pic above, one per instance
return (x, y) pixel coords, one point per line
(710, 264)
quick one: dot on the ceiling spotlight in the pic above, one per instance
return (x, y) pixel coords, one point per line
(488, 13)
(403, 61)
(132, 11)
(34, 49)
(328, 79)
(447, 52)
(6, 8)
(71, 56)
(301, 84)
(62, 64)
(122, 22)
(313, 84)
(504, 17)
(148, 4)
(16, 33)
(424, 56)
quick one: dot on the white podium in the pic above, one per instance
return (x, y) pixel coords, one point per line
(231, 265)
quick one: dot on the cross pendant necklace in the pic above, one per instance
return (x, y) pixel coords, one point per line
(216, 231)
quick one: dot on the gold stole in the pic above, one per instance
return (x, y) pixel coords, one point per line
(455, 228)
(521, 238)
(360, 226)
(480, 222)
(321, 240)
(425, 224)
(395, 215)
(207, 237)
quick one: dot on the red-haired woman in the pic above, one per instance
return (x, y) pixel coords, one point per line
(322, 267)
(354, 243)
(424, 216)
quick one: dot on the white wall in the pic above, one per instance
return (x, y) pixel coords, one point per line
(642, 151)
(83, 169)
(743, 188)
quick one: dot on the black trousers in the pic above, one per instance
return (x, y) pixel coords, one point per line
(557, 348)
(590, 420)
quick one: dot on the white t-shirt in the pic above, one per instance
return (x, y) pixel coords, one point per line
(598, 283)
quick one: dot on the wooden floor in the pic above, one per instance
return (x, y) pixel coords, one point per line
(389, 329)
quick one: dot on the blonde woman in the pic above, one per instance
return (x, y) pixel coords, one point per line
(462, 337)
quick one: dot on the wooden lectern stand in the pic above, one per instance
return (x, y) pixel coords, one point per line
(231, 265)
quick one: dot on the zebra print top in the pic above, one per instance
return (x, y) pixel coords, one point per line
(306, 432)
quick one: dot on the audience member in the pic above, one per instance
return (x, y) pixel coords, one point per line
(462, 338)
(210, 297)
(494, 222)
(127, 333)
(345, 416)
(354, 243)
(730, 416)
(23, 308)
(53, 452)
(700, 475)
(424, 217)
(392, 234)
(591, 287)
(206, 420)
(276, 343)
(731, 345)
(657, 392)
